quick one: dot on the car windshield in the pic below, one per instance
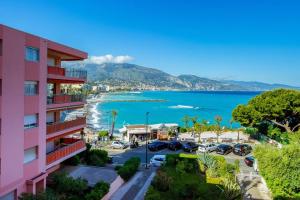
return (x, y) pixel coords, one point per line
(159, 159)
(202, 146)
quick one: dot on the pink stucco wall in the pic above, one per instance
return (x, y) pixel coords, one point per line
(14, 70)
(12, 109)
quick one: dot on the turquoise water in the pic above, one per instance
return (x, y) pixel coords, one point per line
(205, 105)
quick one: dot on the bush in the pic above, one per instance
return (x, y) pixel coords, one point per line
(75, 160)
(152, 194)
(97, 157)
(280, 168)
(46, 195)
(161, 181)
(68, 186)
(99, 191)
(129, 168)
(118, 167)
(172, 159)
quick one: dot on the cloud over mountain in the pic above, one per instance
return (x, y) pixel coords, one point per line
(108, 59)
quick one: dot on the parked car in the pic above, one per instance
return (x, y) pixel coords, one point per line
(158, 160)
(242, 149)
(174, 145)
(157, 145)
(190, 146)
(249, 161)
(209, 147)
(224, 149)
(118, 145)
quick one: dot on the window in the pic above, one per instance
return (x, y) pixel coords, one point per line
(30, 88)
(32, 54)
(30, 154)
(9, 196)
(30, 121)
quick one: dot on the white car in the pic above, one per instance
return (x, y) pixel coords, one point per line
(158, 160)
(118, 145)
(207, 147)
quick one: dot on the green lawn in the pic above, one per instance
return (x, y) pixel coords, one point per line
(188, 184)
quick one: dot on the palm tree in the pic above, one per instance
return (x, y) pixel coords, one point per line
(186, 121)
(194, 121)
(218, 120)
(231, 122)
(114, 114)
(198, 130)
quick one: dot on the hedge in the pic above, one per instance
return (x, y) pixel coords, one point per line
(281, 169)
(129, 168)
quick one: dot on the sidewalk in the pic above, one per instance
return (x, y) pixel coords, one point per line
(253, 187)
(136, 187)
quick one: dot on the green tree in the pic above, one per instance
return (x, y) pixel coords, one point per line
(103, 134)
(186, 121)
(280, 107)
(218, 120)
(114, 114)
(198, 130)
(194, 121)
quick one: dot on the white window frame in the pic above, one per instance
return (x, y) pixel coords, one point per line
(31, 88)
(30, 121)
(32, 54)
(30, 154)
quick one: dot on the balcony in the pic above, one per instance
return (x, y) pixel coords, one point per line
(62, 75)
(65, 150)
(65, 126)
(65, 100)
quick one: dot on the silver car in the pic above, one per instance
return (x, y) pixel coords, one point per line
(209, 147)
(118, 145)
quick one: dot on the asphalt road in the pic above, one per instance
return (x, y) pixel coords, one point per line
(120, 156)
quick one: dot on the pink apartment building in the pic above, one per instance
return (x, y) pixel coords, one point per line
(34, 136)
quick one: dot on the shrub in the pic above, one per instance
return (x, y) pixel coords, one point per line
(231, 190)
(161, 181)
(118, 167)
(96, 161)
(68, 186)
(75, 160)
(172, 159)
(99, 191)
(152, 194)
(180, 167)
(182, 130)
(280, 168)
(97, 157)
(46, 195)
(129, 168)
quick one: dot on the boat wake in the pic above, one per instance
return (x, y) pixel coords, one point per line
(183, 107)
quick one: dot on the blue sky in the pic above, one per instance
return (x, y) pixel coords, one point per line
(252, 40)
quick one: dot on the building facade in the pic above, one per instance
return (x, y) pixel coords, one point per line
(35, 136)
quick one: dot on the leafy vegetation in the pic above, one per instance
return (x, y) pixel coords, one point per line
(63, 187)
(280, 168)
(278, 107)
(95, 157)
(129, 168)
(180, 178)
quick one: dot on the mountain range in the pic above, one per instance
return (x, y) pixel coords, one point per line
(135, 76)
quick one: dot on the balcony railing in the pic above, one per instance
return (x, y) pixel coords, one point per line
(64, 98)
(71, 146)
(59, 126)
(72, 73)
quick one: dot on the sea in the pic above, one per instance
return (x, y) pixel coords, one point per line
(167, 107)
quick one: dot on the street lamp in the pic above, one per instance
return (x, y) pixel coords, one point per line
(147, 120)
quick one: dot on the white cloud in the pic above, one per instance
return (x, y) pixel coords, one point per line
(108, 59)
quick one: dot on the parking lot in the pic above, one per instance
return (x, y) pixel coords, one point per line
(121, 155)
